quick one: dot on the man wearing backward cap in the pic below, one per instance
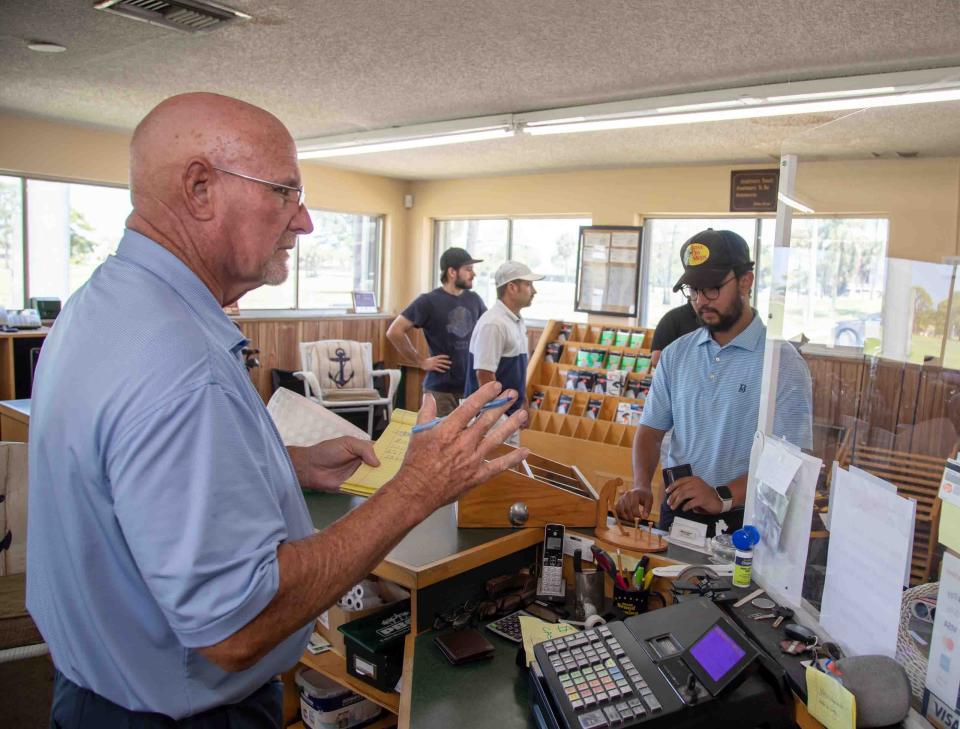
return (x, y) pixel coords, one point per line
(707, 388)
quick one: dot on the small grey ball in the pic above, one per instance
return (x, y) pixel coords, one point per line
(519, 514)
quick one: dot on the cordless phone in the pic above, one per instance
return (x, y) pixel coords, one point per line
(551, 586)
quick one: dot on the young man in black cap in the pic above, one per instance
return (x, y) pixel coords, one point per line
(707, 388)
(674, 324)
(447, 316)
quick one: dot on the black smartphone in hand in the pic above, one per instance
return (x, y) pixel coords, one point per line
(676, 472)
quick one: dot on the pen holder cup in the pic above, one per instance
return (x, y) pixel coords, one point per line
(630, 602)
(589, 591)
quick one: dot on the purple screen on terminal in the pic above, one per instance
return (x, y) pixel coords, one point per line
(717, 652)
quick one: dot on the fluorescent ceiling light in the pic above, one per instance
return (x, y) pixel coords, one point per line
(692, 107)
(405, 144)
(833, 94)
(795, 204)
(412, 137)
(45, 47)
(749, 112)
(850, 93)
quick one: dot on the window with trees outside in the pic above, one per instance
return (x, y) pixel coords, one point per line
(71, 228)
(547, 245)
(841, 260)
(11, 242)
(340, 256)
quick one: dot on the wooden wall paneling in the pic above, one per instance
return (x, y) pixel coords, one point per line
(533, 336)
(880, 401)
(413, 386)
(851, 377)
(310, 330)
(935, 429)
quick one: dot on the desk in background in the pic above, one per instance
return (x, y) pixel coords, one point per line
(16, 360)
(14, 420)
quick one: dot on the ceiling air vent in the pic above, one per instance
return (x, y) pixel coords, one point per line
(189, 16)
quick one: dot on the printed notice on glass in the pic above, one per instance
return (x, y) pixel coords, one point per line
(621, 288)
(943, 667)
(596, 239)
(869, 548)
(593, 279)
(950, 483)
(623, 255)
(629, 239)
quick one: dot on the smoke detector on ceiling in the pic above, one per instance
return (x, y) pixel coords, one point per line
(188, 16)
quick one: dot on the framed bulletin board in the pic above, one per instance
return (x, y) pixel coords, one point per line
(608, 269)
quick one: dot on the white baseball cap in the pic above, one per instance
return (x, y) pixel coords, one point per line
(514, 271)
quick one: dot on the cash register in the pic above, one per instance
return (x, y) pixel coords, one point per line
(682, 666)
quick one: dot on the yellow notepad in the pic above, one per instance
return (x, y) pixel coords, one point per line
(829, 702)
(535, 630)
(949, 534)
(390, 448)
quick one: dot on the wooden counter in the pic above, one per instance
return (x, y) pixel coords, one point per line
(14, 420)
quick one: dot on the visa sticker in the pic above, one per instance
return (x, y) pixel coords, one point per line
(938, 713)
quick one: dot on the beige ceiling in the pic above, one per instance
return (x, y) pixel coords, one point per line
(354, 65)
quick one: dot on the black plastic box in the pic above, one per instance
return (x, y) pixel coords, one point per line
(375, 645)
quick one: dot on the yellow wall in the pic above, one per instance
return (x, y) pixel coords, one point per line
(919, 196)
(32, 146)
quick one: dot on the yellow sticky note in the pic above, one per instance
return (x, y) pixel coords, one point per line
(829, 702)
(535, 630)
(390, 448)
(950, 526)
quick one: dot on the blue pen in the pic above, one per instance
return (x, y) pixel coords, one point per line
(436, 421)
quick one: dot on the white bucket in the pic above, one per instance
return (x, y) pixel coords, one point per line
(325, 704)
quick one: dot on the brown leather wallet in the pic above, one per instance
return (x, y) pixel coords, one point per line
(464, 645)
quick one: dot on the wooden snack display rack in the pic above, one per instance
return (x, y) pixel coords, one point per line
(600, 448)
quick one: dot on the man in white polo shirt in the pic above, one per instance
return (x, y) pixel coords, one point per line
(498, 347)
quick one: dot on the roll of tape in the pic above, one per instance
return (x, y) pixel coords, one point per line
(593, 621)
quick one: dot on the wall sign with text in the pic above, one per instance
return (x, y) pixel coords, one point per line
(754, 191)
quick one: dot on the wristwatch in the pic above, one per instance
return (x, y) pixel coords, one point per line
(726, 498)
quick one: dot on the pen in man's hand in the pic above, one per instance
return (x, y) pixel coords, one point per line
(436, 421)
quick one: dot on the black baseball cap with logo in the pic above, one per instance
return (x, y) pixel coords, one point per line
(456, 257)
(710, 255)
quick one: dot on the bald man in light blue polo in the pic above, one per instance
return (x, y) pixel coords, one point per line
(707, 388)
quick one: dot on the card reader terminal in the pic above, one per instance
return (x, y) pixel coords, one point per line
(687, 662)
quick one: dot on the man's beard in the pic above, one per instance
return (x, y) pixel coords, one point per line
(276, 270)
(463, 284)
(727, 320)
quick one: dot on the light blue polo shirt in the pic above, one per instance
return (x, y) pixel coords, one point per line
(159, 490)
(710, 396)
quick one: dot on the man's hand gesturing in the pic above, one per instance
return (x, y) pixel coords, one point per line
(446, 461)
